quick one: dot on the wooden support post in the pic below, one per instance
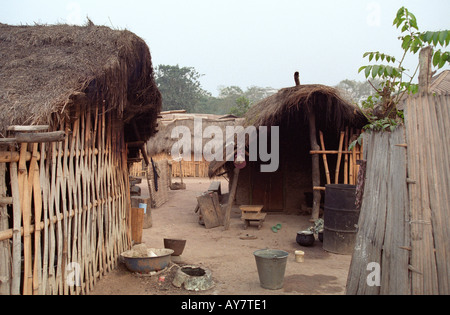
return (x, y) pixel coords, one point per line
(315, 166)
(231, 198)
(425, 69)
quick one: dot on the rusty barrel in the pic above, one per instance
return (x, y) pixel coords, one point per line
(340, 219)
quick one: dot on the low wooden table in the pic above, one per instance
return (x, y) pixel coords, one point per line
(252, 213)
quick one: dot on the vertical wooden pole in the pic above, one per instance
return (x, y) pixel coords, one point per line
(338, 164)
(36, 188)
(425, 69)
(17, 241)
(231, 198)
(324, 156)
(5, 248)
(315, 166)
(26, 217)
(346, 157)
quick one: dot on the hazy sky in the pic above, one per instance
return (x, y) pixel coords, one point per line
(248, 42)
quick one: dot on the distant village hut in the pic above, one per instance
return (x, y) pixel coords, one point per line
(72, 100)
(160, 147)
(314, 122)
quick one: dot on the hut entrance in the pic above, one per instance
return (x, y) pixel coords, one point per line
(269, 191)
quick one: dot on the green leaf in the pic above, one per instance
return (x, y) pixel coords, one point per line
(436, 58)
(371, 57)
(442, 37)
(406, 42)
(362, 68)
(375, 70)
(367, 72)
(435, 38)
(413, 21)
(442, 62)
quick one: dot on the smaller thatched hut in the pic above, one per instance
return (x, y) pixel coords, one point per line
(161, 145)
(302, 113)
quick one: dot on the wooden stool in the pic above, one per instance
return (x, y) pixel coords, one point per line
(252, 213)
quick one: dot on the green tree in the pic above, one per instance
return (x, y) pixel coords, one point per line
(395, 79)
(242, 106)
(381, 108)
(180, 87)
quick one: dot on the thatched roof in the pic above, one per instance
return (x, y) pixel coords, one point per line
(292, 107)
(328, 105)
(162, 142)
(44, 69)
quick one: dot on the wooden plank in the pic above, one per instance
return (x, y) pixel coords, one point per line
(251, 208)
(438, 195)
(395, 260)
(28, 128)
(208, 211)
(253, 216)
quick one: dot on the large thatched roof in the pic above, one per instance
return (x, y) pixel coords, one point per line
(293, 106)
(43, 69)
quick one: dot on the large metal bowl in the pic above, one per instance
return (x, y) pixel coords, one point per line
(147, 264)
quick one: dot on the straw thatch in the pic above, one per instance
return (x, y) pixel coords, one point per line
(291, 107)
(163, 142)
(45, 69)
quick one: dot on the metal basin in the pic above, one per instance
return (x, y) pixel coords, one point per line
(146, 264)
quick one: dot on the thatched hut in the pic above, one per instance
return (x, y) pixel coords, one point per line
(302, 112)
(66, 200)
(161, 145)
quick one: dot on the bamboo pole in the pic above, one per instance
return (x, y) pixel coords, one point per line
(26, 217)
(324, 156)
(17, 244)
(5, 248)
(35, 187)
(346, 157)
(44, 182)
(338, 164)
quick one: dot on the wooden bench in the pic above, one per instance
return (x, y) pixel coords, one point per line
(252, 213)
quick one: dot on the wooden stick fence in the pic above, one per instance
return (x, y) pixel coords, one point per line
(68, 203)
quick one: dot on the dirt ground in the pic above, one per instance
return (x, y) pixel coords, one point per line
(226, 255)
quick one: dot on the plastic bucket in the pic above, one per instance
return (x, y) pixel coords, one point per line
(271, 264)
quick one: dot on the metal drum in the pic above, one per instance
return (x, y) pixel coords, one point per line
(340, 219)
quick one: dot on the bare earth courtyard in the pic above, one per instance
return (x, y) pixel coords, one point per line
(226, 255)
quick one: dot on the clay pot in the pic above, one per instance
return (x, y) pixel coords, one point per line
(305, 238)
